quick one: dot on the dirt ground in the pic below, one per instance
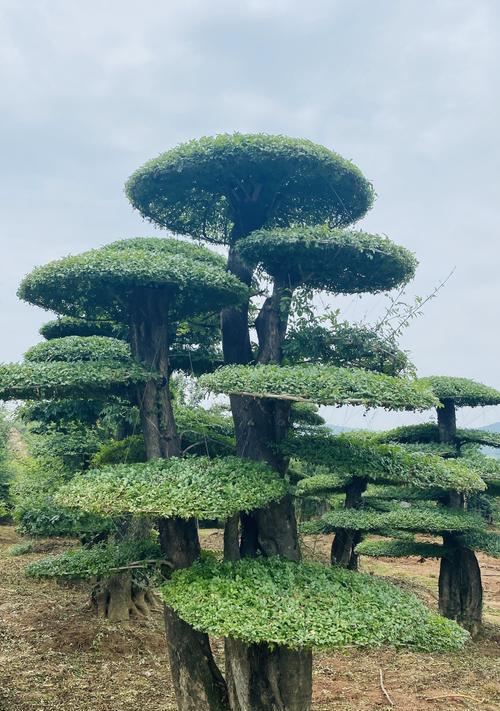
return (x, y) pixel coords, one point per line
(54, 654)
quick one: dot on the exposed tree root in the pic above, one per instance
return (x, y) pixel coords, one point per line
(119, 599)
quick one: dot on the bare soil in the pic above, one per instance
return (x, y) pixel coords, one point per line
(55, 654)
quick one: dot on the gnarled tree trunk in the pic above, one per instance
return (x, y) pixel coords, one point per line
(198, 683)
(460, 586)
(260, 678)
(346, 540)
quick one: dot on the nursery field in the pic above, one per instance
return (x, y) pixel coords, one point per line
(57, 655)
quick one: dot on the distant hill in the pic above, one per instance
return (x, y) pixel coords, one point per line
(338, 429)
(494, 427)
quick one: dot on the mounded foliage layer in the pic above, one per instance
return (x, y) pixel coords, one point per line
(325, 385)
(463, 392)
(100, 560)
(339, 261)
(400, 549)
(304, 605)
(195, 487)
(78, 349)
(105, 280)
(73, 326)
(428, 433)
(358, 455)
(208, 186)
(428, 519)
(24, 381)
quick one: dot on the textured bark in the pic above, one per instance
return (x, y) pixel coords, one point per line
(260, 679)
(271, 323)
(345, 540)
(118, 599)
(460, 586)
(263, 680)
(447, 422)
(198, 683)
(232, 539)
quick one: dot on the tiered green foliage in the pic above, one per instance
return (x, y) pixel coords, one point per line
(201, 188)
(306, 605)
(95, 562)
(325, 385)
(462, 391)
(430, 519)
(195, 487)
(360, 455)
(101, 281)
(339, 261)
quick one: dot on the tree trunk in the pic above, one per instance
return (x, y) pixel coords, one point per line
(346, 540)
(198, 683)
(260, 679)
(447, 422)
(118, 599)
(460, 586)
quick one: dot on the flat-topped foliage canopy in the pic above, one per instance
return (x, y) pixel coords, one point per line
(400, 549)
(462, 391)
(206, 187)
(304, 605)
(324, 385)
(428, 433)
(358, 455)
(103, 281)
(335, 260)
(194, 487)
(79, 349)
(426, 518)
(100, 560)
(28, 381)
(72, 326)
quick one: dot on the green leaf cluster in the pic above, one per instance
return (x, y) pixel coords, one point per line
(335, 260)
(305, 605)
(96, 562)
(27, 381)
(400, 549)
(431, 519)
(325, 385)
(216, 187)
(72, 326)
(360, 455)
(77, 349)
(103, 281)
(462, 391)
(193, 487)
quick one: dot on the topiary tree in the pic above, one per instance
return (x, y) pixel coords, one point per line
(355, 461)
(150, 285)
(247, 191)
(460, 586)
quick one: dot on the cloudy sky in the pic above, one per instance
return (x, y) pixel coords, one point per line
(407, 90)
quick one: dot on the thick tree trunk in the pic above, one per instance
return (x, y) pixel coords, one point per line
(198, 683)
(447, 422)
(263, 680)
(460, 586)
(271, 323)
(118, 599)
(346, 540)
(258, 678)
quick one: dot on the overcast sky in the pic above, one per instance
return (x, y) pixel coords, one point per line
(408, 90)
